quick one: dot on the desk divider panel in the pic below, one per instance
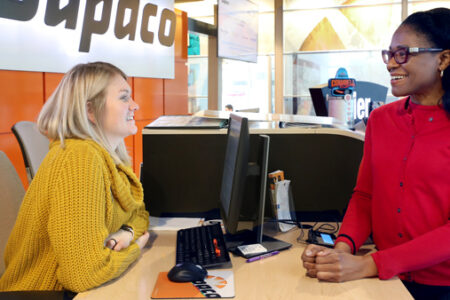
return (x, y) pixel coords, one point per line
(182, 173)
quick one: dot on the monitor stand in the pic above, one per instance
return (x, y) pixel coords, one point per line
(248, 237)
(255, 236)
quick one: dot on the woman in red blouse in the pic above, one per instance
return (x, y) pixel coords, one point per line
(402, 194)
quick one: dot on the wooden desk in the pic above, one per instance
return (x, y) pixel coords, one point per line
(279, 277)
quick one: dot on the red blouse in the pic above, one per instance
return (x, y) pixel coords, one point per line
(402, 194)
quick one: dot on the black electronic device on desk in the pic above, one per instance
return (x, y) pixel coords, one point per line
(321, 238)
(187, 272)
(236, 170)
(203, 245)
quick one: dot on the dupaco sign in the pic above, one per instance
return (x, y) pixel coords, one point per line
(54, 35)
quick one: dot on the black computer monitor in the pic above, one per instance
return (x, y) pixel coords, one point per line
(235, 172)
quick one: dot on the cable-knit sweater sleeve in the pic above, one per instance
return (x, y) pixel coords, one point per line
(77, 222)
(139, 220)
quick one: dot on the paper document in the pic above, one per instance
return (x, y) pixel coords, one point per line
(173, 223)
(282, 200)
(188, 121)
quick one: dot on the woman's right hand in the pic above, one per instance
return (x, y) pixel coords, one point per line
(119, 240)
(309, 258)
(142, 240)
(310, 253)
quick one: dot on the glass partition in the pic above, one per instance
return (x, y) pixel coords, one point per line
(319, 37)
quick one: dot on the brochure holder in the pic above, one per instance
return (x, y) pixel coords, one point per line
(282, 200)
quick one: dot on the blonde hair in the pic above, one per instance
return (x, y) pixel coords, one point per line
(65, 114)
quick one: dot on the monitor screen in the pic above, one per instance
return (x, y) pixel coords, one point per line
(234, 171)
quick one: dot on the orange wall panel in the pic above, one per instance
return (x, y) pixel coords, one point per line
(148, 93)
(181, 35)
(51, 81)
(21, 97)
(176, 91)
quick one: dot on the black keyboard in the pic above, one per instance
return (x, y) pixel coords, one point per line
(203, 245)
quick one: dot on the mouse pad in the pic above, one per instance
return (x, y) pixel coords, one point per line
(217, 284)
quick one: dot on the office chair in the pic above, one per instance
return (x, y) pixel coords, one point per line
(33, 144)
(12, 192)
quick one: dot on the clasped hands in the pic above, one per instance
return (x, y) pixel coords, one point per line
(121, 239)
(338, 264)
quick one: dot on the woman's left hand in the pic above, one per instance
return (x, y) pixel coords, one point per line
(119, 240)
(337, 266)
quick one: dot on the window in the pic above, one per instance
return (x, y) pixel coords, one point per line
(319, 37)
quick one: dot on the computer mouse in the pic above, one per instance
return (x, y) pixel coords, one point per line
(187, 272)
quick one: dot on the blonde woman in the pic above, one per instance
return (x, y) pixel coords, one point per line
(83, 220)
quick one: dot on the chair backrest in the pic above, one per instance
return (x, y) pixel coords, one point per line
(33, 144)
(12, 192)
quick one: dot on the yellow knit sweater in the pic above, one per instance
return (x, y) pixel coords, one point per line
(78, 197)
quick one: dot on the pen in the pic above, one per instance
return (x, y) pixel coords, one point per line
(262, 256)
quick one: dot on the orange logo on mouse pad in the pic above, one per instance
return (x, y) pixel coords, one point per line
(218, 284)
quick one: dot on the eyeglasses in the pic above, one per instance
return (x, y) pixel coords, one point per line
(401, 55)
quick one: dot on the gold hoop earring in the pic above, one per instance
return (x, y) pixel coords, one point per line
(442, 73)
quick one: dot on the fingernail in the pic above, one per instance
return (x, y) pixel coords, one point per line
(308, 252)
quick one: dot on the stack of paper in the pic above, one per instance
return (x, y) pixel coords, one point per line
(174, 223)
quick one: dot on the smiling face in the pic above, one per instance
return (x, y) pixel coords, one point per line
(419, 76)
(118, 120)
